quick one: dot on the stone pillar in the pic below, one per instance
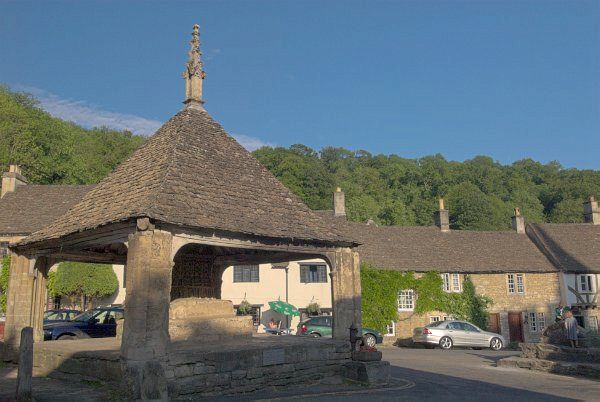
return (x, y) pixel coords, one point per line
(39, 298)
(19, 301)
(339, 203)
(346, 293)
(146, 325)
(518, 222)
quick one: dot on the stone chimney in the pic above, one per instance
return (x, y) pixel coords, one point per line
(441, 217)
(339, 203)
(591, 212)
(518, 221)
(12, 179)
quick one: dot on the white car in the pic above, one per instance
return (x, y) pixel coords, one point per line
(447, 334)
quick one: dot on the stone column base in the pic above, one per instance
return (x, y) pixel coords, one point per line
(370, 372)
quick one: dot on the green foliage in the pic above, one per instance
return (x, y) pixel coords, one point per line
(54, 151)
(51, 284)
(75, 279)
(4, 273)
(480, 193)
(380, 294)
(244, 308)
(313, 308)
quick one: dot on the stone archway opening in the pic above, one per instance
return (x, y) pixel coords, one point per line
(195, 273)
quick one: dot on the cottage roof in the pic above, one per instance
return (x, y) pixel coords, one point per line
(193, 174)
(426, 248)
(31, 207)
(572, 247)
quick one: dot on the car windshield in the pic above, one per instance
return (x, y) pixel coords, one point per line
(86, 315)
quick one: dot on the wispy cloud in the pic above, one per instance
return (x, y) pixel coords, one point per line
(251, 143)
(87, 115)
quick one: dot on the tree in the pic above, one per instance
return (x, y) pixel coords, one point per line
(4, 274)
(471, 209)
(85, 281)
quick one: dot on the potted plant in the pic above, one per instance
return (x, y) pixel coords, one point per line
(313, 308)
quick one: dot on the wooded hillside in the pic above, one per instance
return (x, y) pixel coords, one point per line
(480, 193)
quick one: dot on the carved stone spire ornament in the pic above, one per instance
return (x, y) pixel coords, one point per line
(193, 73)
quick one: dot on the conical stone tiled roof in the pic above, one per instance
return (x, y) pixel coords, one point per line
(192, 173)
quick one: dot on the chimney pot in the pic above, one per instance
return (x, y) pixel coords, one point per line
(339, 203)
(441, 217)
(591, 212)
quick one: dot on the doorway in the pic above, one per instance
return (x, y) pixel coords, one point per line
(494, 323)
(515, 326)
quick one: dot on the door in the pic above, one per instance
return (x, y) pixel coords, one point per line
(515, 326)
(456, 332)
(494, 323)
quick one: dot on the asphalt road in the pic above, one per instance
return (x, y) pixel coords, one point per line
(467, 375)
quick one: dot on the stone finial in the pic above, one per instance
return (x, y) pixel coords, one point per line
(518, 221)
(591, 211)
(442, 217)
(339, 203)
(193, 73)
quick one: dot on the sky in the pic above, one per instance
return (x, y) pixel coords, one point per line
(508, 79)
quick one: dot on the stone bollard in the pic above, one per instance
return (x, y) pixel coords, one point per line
(25, 365)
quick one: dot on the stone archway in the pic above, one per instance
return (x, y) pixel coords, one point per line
(195, 273)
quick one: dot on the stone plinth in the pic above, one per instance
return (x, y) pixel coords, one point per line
(367, 356)
(207, 319)
(368, 372)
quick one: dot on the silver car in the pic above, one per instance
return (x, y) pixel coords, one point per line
(447, 334)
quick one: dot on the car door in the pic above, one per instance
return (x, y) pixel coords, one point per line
(473, 336)
(106, 325)
(456, 332)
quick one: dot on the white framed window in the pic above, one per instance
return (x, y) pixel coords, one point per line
(434, 318)
(406, 300)
(537, 322)
(585, 283)
(451, 283)
(246, 273)
(313, 273)
(446, 282)
(515, 283)
(449, 317)
(390, 329)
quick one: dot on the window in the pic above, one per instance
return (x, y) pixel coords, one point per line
(434, 318)
(322, 321)
(515, 283)
(254, 312)
(245, 273)
(449, 317)
(313, 273)
(390, 329)
(468, 327)
(451, 283)
(585, 283)
(406, 299)
(3, 249)
(537, 322)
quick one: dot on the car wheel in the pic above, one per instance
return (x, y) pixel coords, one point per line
(369, 340)
(446, 343)
(66, 338)
(496, 344)
(315, 335)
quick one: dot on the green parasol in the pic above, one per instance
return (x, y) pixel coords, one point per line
(284, 308)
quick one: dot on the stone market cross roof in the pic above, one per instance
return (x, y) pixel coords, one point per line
(573, 247)
(31, 207)
(193, 174)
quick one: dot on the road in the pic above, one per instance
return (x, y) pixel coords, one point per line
(459, 375)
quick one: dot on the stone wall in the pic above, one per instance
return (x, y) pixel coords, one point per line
(226, 372)
(542, 295)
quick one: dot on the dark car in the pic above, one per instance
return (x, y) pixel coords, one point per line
(99, 322)
(59, 315)
(321, 326)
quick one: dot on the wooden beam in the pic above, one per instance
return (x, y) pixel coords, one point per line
(91, 257)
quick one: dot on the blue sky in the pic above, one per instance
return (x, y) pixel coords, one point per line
(508, 79)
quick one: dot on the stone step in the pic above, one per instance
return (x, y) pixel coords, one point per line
(590, 370)
(546, 351)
